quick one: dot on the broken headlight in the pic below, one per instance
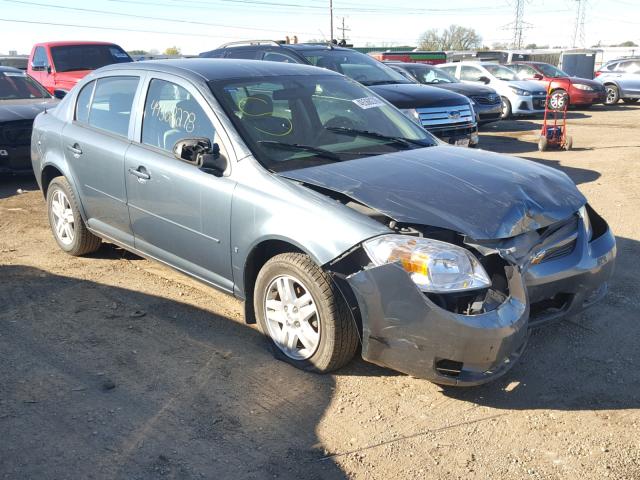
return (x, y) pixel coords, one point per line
(434, 266)
(584, 215)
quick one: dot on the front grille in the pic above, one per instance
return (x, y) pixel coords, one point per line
(558, 252)
(487, 100)
(445, 116)
(16, 134)
(538, 103)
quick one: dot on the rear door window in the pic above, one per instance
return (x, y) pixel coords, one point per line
(451, 70)
(247, 54)
(279, 57)
(112, 104)
(171, 114)
(84, 103)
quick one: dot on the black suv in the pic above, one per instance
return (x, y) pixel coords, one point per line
(447, 115)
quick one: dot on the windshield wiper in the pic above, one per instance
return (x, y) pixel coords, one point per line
(320, 152)
(407, 142)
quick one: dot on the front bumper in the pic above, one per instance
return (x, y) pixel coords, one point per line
(404, 330)
(488, 113)
(585, 97)
(525, 105)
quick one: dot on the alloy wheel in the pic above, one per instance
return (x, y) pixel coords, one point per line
(611, 95)
(292, 317)
(62, 218)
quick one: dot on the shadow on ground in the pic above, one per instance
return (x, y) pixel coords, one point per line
(104, 382)
(10, 184)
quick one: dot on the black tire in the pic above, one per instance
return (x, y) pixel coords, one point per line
(338, 334)
(506, 108)
(560, 98)
(630, 100)
(83, 241)
(542, 143)
(613, 94)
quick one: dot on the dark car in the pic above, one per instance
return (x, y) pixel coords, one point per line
(581, 92)
(486, 102)
(447, 115)
(21, 99)
(245, 175)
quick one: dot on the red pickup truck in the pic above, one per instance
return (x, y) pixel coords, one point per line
(58, 66)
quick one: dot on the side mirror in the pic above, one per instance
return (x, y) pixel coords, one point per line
(202, 154)
(537, 76)
(38, 67)
(484, 80)
(59, 94)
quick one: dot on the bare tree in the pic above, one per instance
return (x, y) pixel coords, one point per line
(453, 38)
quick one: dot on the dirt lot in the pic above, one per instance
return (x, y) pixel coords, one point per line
(115, 367)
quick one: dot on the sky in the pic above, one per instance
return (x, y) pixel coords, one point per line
(199, 25)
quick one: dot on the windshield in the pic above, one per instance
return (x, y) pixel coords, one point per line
(87, 57)
(301, 121)
(500, 72)
(550, 71)
(356, 65)
(17, 85)
(430, 75)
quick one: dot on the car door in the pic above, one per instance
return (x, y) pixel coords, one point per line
(630, 79)
(179, 214)
(95, 143)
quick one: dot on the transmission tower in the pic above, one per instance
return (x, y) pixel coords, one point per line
(579, 38)
(518, 25)
(344, 29)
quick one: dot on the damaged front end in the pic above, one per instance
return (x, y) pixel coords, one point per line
(470, 336)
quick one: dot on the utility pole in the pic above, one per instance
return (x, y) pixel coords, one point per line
(331, 16)
(579, 38)
(344, 29)
(518, 24)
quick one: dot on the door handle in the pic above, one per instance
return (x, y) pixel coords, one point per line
(140, 172)
(75, 149)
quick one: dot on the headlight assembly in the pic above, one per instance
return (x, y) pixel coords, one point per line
(412, 113)
(520, 91)
(434, 266)
(582, 86)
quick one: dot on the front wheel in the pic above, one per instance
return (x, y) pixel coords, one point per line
(558, 100)
(613, 95)
(506, 108)
(66, 223)
(301, 311)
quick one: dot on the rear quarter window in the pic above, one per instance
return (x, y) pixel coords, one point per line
(83, 103)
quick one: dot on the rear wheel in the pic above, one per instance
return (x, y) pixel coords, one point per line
(613, 94)
(299, 308)
(630, 100)
(66, 223)
(506, 108)
(558, 100)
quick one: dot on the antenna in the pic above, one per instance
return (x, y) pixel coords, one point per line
(579, 37)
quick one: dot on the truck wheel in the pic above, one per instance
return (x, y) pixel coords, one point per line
(506, 108)
(568, 143)
(542, 143)
(630, 100)
(66, 222)
(613, 94)
(300, 310)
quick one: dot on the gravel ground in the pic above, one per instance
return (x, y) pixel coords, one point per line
(112, 366)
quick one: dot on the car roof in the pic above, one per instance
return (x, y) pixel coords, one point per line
(220, 69)
(409, 64)
(70, 43)
(10, 69)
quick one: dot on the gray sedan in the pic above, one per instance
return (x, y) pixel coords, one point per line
(337, 219)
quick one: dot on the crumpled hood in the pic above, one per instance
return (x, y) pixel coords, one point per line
(479, 194)
(416, 95)
(24, 109)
